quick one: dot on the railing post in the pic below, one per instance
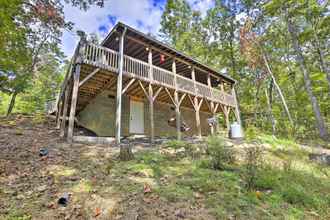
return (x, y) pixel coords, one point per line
(119, 87)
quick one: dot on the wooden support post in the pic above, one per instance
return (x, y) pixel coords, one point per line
(119, 87)
(65, 111)
(226, 111)
(151, 99)
(212, 105)
(177, 115)
(75, 88)
(58, 113)
(151, 110)
(196, 104)
(198, 120)
(213, 115)
(176, 101)
(151, 96)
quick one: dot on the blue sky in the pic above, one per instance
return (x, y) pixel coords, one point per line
(144, 15)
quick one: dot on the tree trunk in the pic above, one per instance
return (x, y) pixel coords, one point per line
(277, 88)
(126, 153)
(12, 103)
(323, 65)
(271, 116)
(308, 85)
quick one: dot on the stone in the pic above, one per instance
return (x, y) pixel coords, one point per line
(320, 158)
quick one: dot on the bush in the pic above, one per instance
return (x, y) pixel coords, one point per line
(253, 165)
(251, 133)
(175, 144)
(221, 155)
(295, 194)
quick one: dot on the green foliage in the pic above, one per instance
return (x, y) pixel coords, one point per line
(221, 156)
(176, 144)
(253, 163)
(215, 39)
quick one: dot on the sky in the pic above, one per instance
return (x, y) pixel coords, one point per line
(144, 15)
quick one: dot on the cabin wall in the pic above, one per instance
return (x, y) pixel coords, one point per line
(99, 116)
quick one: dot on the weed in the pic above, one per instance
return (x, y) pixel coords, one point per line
(175, 144)
(221, 156)
(253, 166)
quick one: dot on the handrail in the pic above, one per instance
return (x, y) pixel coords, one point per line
(106, 58)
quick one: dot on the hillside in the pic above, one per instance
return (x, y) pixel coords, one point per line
(175, 180)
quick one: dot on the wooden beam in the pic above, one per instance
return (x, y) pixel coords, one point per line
(151, 110)
(143, 89)
(177, 115)
(89, 76)
(181, 99)
(119, 87)
(197, 116)
(75, 89)
(128, 85)
(65, 111)
(170, 95)
(157, 93)
(59, 112)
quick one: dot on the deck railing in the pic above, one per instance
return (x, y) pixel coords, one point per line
(106, 58)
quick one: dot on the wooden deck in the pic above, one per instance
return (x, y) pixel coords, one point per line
(95, 68)
(107, 59)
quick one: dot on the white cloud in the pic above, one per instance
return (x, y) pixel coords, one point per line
(201, 5)
(144, 15)
(141, 14)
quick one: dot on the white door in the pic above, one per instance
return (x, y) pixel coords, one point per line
(136, 125)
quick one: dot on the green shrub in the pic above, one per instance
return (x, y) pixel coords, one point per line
(295, 194)
(251, 133)
(221, 155)
(253, 165)
(175, 144)
(267, 178)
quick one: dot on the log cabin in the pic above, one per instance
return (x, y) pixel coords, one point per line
(133, 84)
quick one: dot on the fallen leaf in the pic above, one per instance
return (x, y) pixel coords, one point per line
(97, 212)
(146, 188)
(258, 194)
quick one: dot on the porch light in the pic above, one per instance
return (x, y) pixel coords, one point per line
(147, 48)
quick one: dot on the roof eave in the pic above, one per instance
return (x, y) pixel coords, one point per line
(121, 24)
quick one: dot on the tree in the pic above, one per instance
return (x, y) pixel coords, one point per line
(33, 27)
(300, 59)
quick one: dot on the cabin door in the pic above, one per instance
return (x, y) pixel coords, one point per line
(136, 125)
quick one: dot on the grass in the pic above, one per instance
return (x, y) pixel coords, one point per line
(287, 185)
(281, 191)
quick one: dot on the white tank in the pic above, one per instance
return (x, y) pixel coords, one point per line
(236, 130)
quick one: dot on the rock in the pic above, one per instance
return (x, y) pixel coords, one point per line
(178, 213)
(320, 158)
(42, 188)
